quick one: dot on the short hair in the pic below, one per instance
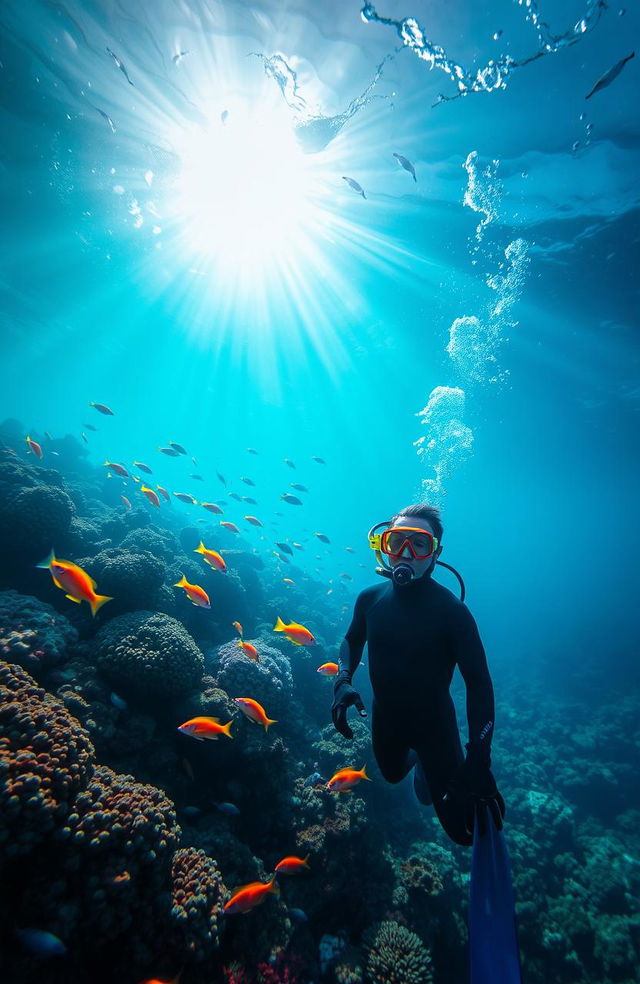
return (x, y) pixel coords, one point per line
(422, 511)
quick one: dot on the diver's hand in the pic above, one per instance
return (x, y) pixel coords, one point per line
(473, 787)
(344, 696)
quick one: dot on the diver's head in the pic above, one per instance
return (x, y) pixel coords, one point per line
(411, 556)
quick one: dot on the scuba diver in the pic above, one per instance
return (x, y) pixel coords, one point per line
(417, 631)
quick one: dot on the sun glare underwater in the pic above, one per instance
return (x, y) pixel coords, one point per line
(270, 274)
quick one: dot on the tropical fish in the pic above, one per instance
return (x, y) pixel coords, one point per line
(177, 447)
(163, 493)
(170, 452)
(229, 526)
(406, 164)
(252, 451)
(323, 537)
(222, 478)
(293, 500)
(185, 497)
(158, 980)
(298, 546)
(237, 627)
(299, 488)
(346, 577)
(254, 711)
(151, 495)
(211, 507)
(299, 915)
(197, 478)
(211, 557)
(84, 437)
(126, 502)
(120, 65)
(102, 408)
(41, 941)
(118, 701)
(248, 896)
(192, 812)
(345, 779)
(253, 520)
(90, 427)
(247, 481)
(117, 468)
(76, 583)
(295, 632)
(288, 580)
(284, 546)
(289, 462)
(230, 809)
(34, 446)
(354, 184)
(350, 549)
(291, 864)
(282, 557)
(143, 468)
(609, 76)
(328, 669)
(249, 650)
(206, 727)
(247, 498)
(320, 461)
(196, 595)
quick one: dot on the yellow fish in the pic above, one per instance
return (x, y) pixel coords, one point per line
(76, 583)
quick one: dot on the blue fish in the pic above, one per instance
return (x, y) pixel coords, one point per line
(229, 808)
(298, 915)
(40, 942)
(354, 185)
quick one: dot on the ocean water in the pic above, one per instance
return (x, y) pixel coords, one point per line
(361, 256)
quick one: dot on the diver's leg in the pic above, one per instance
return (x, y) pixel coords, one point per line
(440, 757)
(390, 746)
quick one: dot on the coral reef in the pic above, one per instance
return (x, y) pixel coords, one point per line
(33, 633)
(148, 654)
(396, 956)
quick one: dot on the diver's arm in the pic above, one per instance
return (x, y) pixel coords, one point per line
(470, 656)
(353, 643)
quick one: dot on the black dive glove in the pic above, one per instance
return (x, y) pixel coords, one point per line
(473, 787)
(343, 697)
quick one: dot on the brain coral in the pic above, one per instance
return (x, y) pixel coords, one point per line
(396, 956)
(132, 579)
(33, 633)
(149, 654)
(269, 681)
(46, 759)
(198, 899)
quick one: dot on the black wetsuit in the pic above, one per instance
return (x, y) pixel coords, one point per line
(416, 634)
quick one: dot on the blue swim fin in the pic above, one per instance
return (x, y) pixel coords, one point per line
(493, 934)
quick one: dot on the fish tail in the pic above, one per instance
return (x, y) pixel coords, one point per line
(273, 885)
(306, 861)
(279, 626)
(227, 729)
(48, 561)
(363, 772)
(200, 548)
(98, 601)
(181, 583)
(268, 722)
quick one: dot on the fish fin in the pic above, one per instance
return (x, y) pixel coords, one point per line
(227, 728)
(78, 601)
(181, 583)
(363, 772)
(48, 561)
(305, 861)
(98, 601)
(268, 722)
(273, 886)
(279, 626)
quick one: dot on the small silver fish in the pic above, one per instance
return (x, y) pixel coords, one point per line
(609, 76)
(354, 184)
(120, 65)
(406, 164)
(118, 701)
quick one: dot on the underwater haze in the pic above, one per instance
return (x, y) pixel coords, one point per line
(291, 267)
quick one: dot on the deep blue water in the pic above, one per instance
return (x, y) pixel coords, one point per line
(170, 250)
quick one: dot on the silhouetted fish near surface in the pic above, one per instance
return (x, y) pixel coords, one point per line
(170, 452)
(176, 447)
(103, 408)
(354, 184)
(406, 164)
(120, 65)
(291, 499)
(197, 478)
(247, 481)
(222, 478)
(609, 76)
(284, 546)
(300, 488)
(320, 461)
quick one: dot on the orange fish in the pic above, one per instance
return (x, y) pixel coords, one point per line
(206, 727)
(346, 779)
(254, 711)
(76, 583)
(253, 520)
(126, 502)
(212, 507)
(211, 557)
(237, 627)
(151, 495)
(196, 595)
(185, 497)
(118, 469)
(34, 447)
(328, 669)
(291, 864)
(295, 633)
(163, 493)
(159, 980)
(248, 896)
(229, 526)
(249, 650)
